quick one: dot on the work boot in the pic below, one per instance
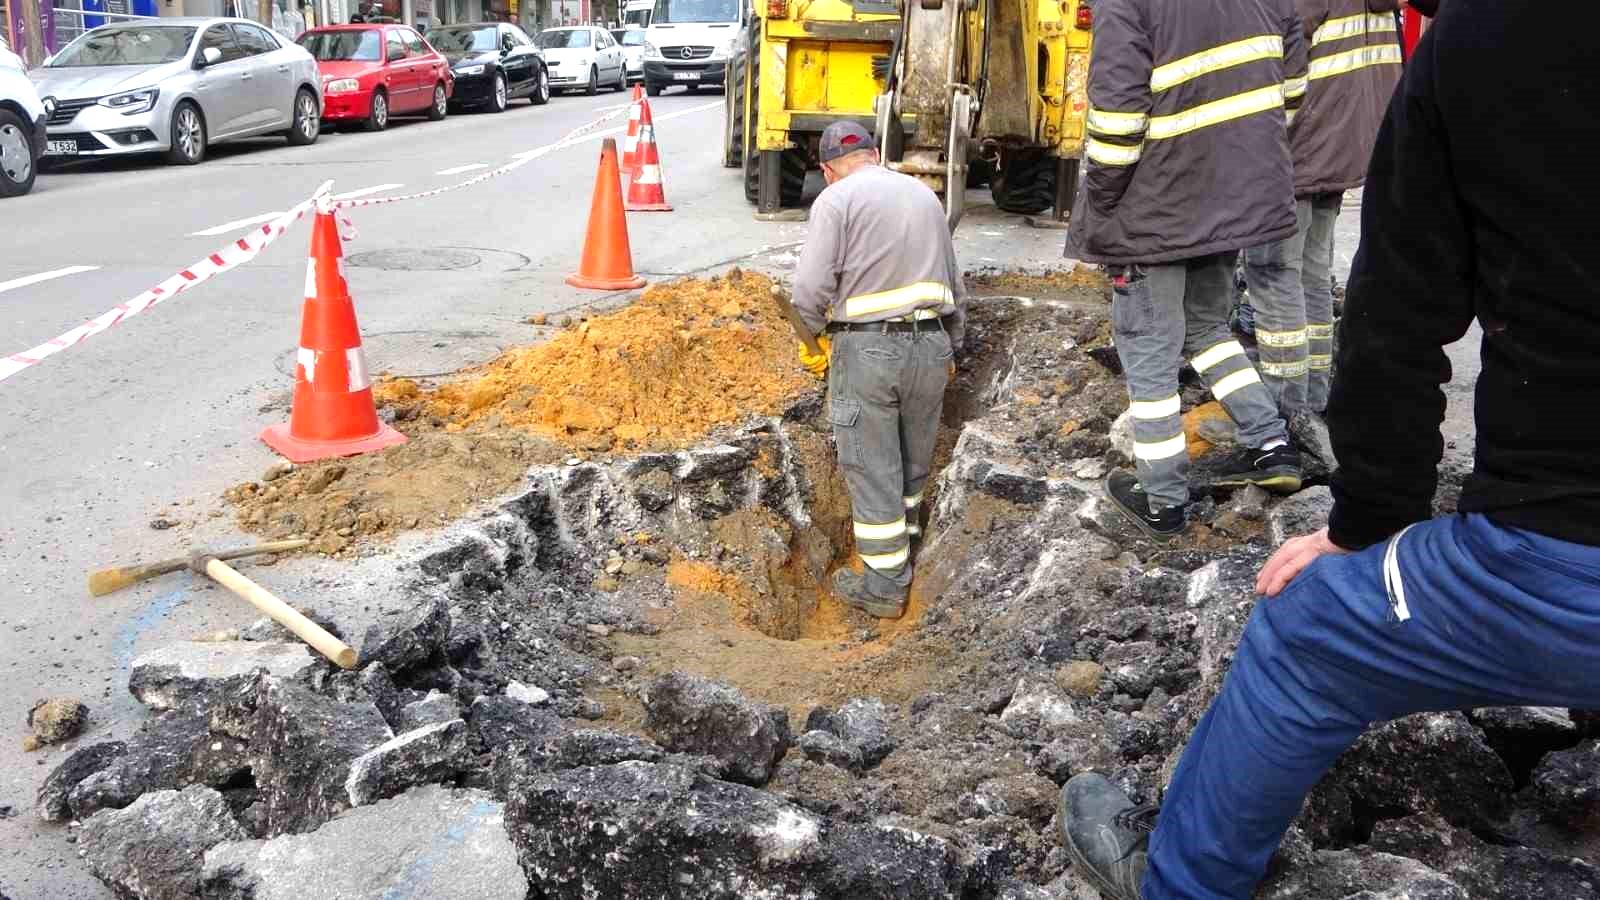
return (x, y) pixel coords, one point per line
(1277, 470)
(852, 589)
(1107, 834)
(1124, 490)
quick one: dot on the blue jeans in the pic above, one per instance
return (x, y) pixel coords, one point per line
(1492, 616)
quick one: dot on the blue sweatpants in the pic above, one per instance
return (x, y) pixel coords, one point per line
(1490, 616)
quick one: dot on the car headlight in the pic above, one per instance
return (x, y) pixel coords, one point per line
(650, 51)
(131, 102)
(471, 70)
(341, 86)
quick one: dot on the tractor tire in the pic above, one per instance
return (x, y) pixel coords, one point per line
(1026, 184)
(793, 187)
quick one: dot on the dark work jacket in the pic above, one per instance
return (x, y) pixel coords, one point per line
(1353, 47)
(1187, 150)
(1480, 202)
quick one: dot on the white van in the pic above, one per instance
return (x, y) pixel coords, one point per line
(689, 42)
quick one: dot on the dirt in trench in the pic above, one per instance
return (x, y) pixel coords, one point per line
(1080, 283)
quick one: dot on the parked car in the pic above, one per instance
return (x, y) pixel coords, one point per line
(631, 40)
(176, 86)
(22, 126)
(583, 56)
(493, 62)
(371, 73)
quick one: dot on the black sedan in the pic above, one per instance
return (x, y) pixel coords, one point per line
(493, 63)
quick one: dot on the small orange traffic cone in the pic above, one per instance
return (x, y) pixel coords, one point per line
(607, 263)
(333, 413)
(630, 141)
(645, 191)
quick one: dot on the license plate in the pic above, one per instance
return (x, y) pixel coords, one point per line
(61, 148)
(685, 76)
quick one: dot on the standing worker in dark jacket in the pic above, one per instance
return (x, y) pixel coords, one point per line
(1188, 162)
(879, 274)
(1354, 65)
(1385, 613)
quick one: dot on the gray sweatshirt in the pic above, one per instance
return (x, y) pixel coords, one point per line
(878, 248)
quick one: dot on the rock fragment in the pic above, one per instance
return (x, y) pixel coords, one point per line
(56, 719)
(1567, 784)
(689, 714)
(202, 671)
(154, 848)
(1302, 513)
(862, 725)
(430, 710)
(410, 639)
(1360, 875)
(302, 750)
(172, 750)
(498, 721)
(427, 754)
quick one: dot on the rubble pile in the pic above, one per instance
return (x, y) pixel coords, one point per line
(625, 681)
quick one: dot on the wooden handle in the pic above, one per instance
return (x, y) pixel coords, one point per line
(795, 322)
(282, 613)
(108, 581)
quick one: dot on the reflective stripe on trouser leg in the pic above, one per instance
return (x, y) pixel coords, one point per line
(1219, 358)
(1148, 325)
(1273, 273)
(1318, 287)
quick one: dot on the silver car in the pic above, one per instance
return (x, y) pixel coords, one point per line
(174, 86)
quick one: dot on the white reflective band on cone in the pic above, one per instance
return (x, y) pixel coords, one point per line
(311, 278)
(1226, 56)
(648, 175)
(308, 361)
(356, 359)
(866, 531)
(1216, 354)
(1230, 383)
(1158, 450)
(887, 560)
(1156, 409)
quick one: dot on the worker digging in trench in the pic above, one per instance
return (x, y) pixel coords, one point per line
(878, 282)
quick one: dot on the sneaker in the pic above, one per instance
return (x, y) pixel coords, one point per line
(1276, 470)
(851, 587)
(1124, 490)
(1107, 835)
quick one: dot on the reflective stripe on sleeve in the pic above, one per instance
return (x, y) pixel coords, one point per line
(882, 561)
(1216, 112)
(1116, 123)
(882, 301)
(888, 531)
(1227, 384)
(1295, 87)
(1348, 61)
(1351, 26)
(1216, 354)
(1111, 154)
(1153, 451)
(1296, 338)
(1225, 56)
(1156, 409)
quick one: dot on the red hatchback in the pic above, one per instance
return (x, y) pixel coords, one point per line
(373, 72)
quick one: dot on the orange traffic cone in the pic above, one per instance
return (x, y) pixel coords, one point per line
(607, 263)
(333, 412)
(630, 141)
(645, 192)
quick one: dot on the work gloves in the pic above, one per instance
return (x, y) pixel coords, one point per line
(815, 363)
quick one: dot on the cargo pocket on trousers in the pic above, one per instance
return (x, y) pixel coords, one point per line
(1131, 306)
(843, 416)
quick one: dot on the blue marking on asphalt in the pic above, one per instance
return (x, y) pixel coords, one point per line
(128, 637)
(422, 867)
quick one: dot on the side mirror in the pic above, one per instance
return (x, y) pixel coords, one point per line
(210, 56)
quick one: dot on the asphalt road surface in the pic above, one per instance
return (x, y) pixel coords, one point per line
(166, 406)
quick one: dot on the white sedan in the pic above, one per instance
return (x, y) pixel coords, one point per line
(584, 57)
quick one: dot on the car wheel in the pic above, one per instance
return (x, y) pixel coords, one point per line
(622, 78)
(188, 136)
(594, 81)
(18, 168)
(652, 89)
(541, 88)
(497, 101)
(378, 119)
(307, 122)
(441, 104)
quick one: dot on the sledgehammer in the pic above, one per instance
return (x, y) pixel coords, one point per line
(211, 564)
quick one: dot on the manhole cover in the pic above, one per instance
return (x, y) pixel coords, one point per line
(416, 354)
(415, 260)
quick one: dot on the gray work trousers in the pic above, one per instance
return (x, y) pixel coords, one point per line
(1159, 315)
(886, 392)
(1291, 288)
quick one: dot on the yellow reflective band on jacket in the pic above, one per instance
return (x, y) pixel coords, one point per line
(1153, 451)
(1351, 26)
(1322, 332)
(1224, 56)
(1350, 61)
(887, 560)
(1296, 338)
(888, 531)
(1294, 87)
(1111, 154)
(910, 295)
(1116, 123)
(1284, 370)
(1216, 112)
(1227, 384)
(1320, 361)
(1156, 409)
(1216, 354)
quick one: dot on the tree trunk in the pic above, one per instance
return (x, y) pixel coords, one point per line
(33, 33)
